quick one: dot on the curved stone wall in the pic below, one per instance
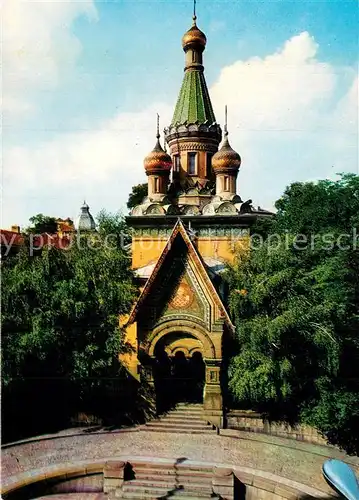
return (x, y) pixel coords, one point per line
(250, 421)
(108, 474)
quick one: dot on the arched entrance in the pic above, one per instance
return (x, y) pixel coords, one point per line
(178, 370)
(159, 347)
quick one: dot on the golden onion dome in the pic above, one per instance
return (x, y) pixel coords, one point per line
(226, 158)
(194, 36)
(157, 159)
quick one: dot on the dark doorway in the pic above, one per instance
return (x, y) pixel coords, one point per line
(198, 370)
(178, 378)
(162, 374)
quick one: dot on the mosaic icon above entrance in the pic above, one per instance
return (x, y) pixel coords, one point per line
(183, 298)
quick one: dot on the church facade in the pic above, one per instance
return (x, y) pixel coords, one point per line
(189, 226)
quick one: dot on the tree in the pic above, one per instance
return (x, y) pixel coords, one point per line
(113, 229)
(316, 207)
(295, 301)
(139, 192)
(60, 313)
(42, 224)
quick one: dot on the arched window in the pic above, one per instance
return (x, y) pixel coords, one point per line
(192, 163)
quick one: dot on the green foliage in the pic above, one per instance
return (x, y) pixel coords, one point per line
(316, 207)
(137, 195)
(42, 224)
(113, 228)
(296, 307)
(60, 310)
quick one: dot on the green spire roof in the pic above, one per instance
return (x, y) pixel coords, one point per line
(193, 104)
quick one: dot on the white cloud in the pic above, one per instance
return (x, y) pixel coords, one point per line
(37, 46)
(276, 92)
(285, 119)
(116, 149)
(100, 165)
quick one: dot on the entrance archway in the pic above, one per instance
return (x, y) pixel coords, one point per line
(181, 334)
(178, 370)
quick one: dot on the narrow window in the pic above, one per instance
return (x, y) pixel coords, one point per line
(226, 183)
(192, 163)
(157, 185)
(177, 163)
(209, 165)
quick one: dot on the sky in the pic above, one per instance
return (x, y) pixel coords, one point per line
(83, 80)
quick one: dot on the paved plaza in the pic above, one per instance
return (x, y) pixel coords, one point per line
(287, 458)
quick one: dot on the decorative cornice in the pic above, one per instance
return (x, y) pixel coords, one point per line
(205, 130)
(194, 146)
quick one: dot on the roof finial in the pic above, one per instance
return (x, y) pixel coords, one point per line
(158, 126)
(194, 12)
(225, 121)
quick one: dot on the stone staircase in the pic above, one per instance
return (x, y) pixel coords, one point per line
(185, 418)
(165, 481)
(162, 480)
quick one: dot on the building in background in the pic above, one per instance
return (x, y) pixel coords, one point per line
(85, 222)
(12, 240)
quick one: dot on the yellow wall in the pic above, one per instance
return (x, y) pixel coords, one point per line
(146, 250)
(130, 360)
(221, 248)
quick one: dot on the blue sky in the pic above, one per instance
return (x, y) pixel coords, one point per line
(83, 81)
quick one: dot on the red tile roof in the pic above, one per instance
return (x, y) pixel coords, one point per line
(9, 238)
(51, 240)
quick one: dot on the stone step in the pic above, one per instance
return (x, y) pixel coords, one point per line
(189, 405)
(189, 495)
(155, 492)
(177, 430)
(180, 425)
(183, 477)
(186, 414)
(181, 420)
(170, 468)
(159, 491)
(168, 483)
(194, 418)
(193, 413)
(184, 495)
(193, 409)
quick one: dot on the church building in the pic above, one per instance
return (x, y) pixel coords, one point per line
(189, 226)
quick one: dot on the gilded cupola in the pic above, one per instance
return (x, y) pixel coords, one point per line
(226, 159)
(194, 37)
(157, 160)
(157, 165)
(226, 163)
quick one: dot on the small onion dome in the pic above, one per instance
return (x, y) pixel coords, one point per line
(158, 160)
(226, 158)
(85, 221)
(194, 36)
